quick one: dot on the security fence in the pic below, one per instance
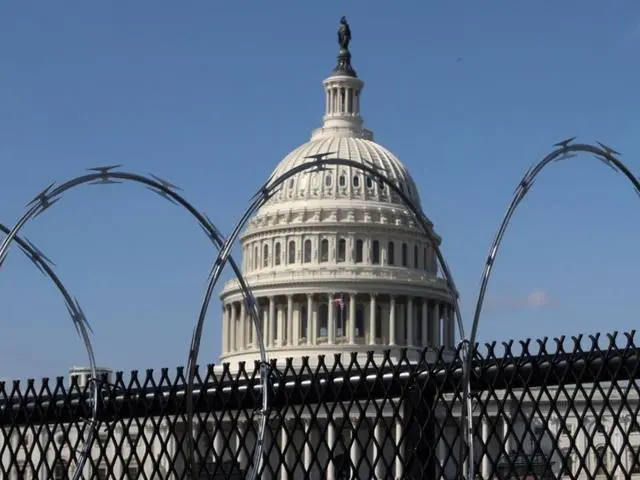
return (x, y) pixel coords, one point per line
(546, 409)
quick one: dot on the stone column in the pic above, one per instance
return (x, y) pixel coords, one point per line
(311, 324)
(272, 320)
(392, 321)
(331, 445)
(225, 328)
(241, 449)
(435, 312)
(400, 442)
(372, 320)
(218, 443)
(352, 318)
(452, 326)
(377, 452)
(289, 320)
(355, 452)
(232, 331)
(410, 322)
(297, 324)
(280, 324)
(486, 461)
(287, 450)
(443, 458)
(265, 327)
(327, 106)
(445, 324)
(331, 323)
(425, 323)
(506, 434)
(243, 327)
(308, 448)
(401, 309)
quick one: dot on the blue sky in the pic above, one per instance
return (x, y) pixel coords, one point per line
(211, 95)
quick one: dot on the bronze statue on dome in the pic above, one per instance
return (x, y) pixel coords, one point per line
(344, 34)
(343, 66)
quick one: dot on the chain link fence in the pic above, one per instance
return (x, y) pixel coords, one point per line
(542, 409)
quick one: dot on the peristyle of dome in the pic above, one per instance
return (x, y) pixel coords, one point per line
(335, 259)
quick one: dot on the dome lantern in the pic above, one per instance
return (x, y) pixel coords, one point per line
(343, 90)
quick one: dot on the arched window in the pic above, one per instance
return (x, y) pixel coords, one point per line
(342, 181)
(323, 319)
(369, 182)
(307, 251)
(635, 460)
(391, 253)
(375, 252)
(327, 180)
(265, 256)
(359, 248)
(342, 250)
(356, 181)
(567, 464)
(255, 257)
(276, 253)
(133, 471)
(324, 250)
(415, 256)
(60, 470)
(602, 464)
(405, 255)
(359, 320)
(292, 252)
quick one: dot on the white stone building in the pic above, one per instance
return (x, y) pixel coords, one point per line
(338, 265)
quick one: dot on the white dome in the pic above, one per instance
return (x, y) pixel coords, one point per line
(340, 184)
(335, 259)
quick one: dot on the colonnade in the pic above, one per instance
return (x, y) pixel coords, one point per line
(317, 448)
(339, 319)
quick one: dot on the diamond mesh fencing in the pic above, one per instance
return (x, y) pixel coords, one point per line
(546, 409)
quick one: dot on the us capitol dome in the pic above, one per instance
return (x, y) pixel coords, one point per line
(335, 259)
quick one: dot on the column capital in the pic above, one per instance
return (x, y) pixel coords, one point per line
(309, 295)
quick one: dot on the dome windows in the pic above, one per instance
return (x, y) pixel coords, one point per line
(327, 180)
(375, 252)
(324, 250)
(369, 182)
(307, 251)
(327, 249)
(358, 257)
(356, 181)
(276, 253)
(342, 181)
(342, 251)
(291, 252)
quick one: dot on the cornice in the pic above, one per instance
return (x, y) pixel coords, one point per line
(386, 280)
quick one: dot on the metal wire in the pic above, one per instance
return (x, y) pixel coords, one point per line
(565, 150)
(264, 193)
(104, 176)
(80, 323)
